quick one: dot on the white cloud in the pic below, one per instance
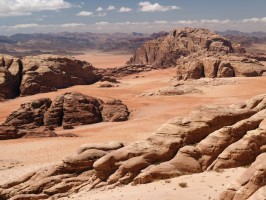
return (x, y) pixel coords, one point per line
(102, 23)
(161, 22)
(99, 9)
(111, 7)
(125, 9)
(71, 25)
(146, 6)
(255, 20)
(26, 7)
(246, 25)
(85, 14)
(25, 26)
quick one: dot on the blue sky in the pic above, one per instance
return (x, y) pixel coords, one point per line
(30, 16)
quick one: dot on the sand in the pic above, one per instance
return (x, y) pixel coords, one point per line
(105, 59)
(147, 114)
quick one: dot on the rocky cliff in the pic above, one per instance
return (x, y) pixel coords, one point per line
(197, 53)
(165, 51)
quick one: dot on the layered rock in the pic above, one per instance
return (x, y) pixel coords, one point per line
(212, 137)
(48, 73)
(44, 73)
(251, 184)
(67, 110)
(165, 51)
(197, 53)
(10, 76)
(30, 115)
(197, 66)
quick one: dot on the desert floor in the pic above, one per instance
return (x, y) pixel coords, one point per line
(147, 114)
(104, 59)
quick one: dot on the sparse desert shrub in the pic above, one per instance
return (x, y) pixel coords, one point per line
(183, 184)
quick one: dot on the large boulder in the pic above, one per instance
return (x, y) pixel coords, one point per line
(114, 111)
(36, 114)
(47, 73)
(30, 115)
(88, 110)
(10, 76)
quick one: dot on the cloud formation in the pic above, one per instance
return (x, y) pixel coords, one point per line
(125, 9)
(27, 7)
(146, 6)
(85, 14)
(144, 26)
(99, 9)
(111, 7)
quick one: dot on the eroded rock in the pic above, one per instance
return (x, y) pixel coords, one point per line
(46, 73)
(212, 137)
(67, 110)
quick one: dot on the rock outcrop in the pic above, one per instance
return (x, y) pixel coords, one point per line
(10, 76)
(211, 137)
(251, 184)
(45, 73)
(165, 51)
(197, 66)
(48, 73)
(44, 113)
(197, 53)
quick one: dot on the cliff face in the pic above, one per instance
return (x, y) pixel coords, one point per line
(165, 51)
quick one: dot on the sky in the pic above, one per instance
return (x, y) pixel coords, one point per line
(109, 16)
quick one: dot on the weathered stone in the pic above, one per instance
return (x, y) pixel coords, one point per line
(48, 73)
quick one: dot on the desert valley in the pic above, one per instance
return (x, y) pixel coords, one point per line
(188, 121)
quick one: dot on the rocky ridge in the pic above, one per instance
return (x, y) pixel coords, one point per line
(210, 138)
(198, 53)
(39, 117)
(35, 74)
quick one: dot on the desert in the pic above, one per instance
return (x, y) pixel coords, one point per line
(179, 113)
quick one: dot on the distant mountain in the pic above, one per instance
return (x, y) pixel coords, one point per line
(239, 33)
(24, 44)
(245, 39)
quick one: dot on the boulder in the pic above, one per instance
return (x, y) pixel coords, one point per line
(46, 73)
(225, 70)
(114, 111)
(44, 113)
(30, 115)
(10, 76)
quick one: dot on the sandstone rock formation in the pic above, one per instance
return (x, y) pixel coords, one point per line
(181, 42)
(251, 185)
(196, 66)
(197, 53)
(61, 112)
(35, 74)
(10, 76)
(211, 137)
(48, 73)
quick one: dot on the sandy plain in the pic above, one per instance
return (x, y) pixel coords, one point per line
(20, 156)
(105, 59)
